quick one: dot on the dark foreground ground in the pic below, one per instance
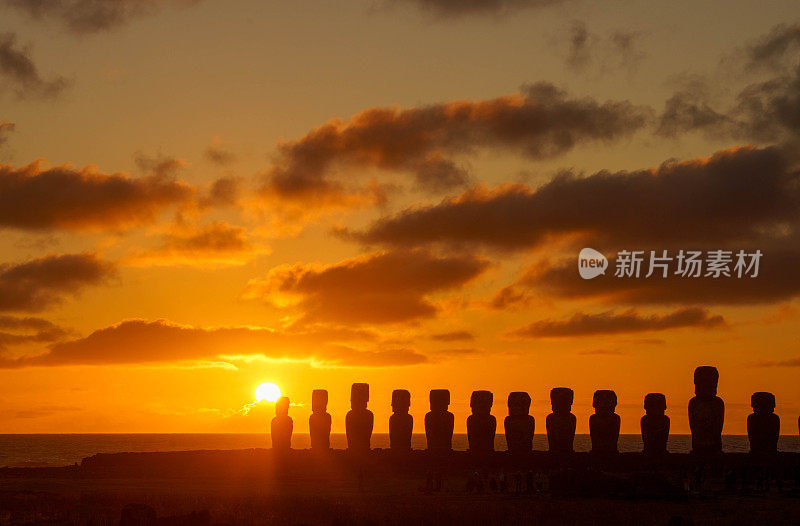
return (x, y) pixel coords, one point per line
(256, 487)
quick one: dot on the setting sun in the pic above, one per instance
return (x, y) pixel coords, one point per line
(268, 391)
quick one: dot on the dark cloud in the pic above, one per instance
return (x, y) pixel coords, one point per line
(540, 122)
(619, 49)
(19, 73)
(579, 46)
(223, 192)
(629, 321)
(218, 153)
(39, 283)
(733, 195)
(148, 342)
(765, 111)
(772, 48)
(18, 331)
(384, 287)
(5, 129)
(602, 352)
(791, 362)
(33, 197)
(777, 280)
(216, 244)
(90, 16)
(458, 8)
(160, 165)
(453, 336)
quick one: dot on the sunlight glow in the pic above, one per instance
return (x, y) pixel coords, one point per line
(268, 392)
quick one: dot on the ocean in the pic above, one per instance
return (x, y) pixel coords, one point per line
(62, 450)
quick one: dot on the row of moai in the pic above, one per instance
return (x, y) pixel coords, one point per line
(706, 416)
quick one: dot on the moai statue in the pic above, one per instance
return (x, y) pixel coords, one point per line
(706, 412)
(561, 422)
(400, 423)
(439, 422)
(655, 424)
(319, 423)
(281, 426)
(359, 420)
(763, 426)
(481, 425)
(604, 423)
(519, 424)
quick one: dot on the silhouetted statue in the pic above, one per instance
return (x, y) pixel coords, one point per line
(604, 423)
(655, 424)
(401, 423)
(763, 426)
(439, 422)
(561, 422)
(519, 424)
(481, 425)
(359, 420)
(281, 426)
(319, 423)
(706, 412)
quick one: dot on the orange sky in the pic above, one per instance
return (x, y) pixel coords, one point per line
(198, 197)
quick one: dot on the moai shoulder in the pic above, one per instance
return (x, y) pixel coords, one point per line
(481, 425)
(519, 425)
(319, 423)
(561, 422)
(401, 423)
(439, 422)
(655, 424)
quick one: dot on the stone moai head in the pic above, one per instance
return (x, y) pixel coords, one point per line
(481, 402)
(705, 381)
(561, 399)
(655, 404)
(401, 401)
(440, 400)
(763, 402)
(604, 401)
(519, 403)
(282, 406)
(359, 396)
(319, 401)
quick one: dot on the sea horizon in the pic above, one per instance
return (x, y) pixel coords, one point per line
(61, 449)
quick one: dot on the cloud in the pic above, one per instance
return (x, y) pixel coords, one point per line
(26, 330)
(772, 48)
(459, 8)
(5, 129)
(151, 342)
(160, 165)
(20, 74)
(734, 195)
(34, 197)
(90, 16)
(602, 352)
(629, 321)
(767, 110)
(540, 122)
(777, 280)
(383, 287)
(453, 336)
(620, 49)
(218, 153)
(216, 244)
(791, 362)
(37, 284)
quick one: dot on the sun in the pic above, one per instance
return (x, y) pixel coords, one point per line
(268, 392)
